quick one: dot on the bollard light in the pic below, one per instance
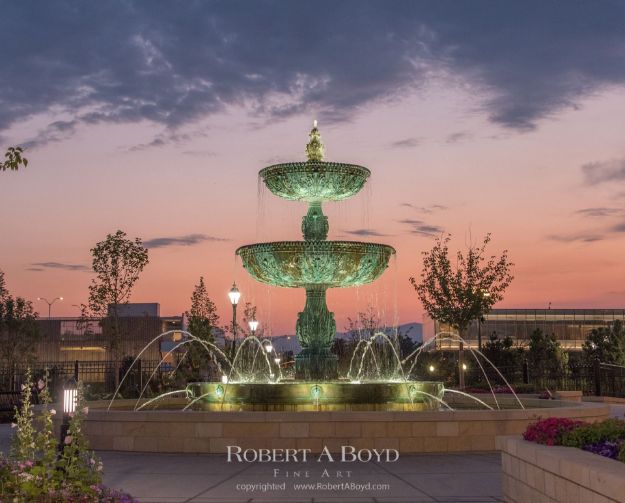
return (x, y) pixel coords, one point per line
(70, 395)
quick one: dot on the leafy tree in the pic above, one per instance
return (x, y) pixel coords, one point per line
(545, 356)
(456, 294)
(117, 262)
(502, 352)
(606, 344)
(19, 331)
(203, 319)
(13, 159)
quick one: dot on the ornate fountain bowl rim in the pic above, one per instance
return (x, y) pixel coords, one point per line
(307, 264)
(284, 180)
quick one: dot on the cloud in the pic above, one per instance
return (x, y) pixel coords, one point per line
(124, 62)
(571, 238)
(619, 227)
(52, 133)
(606, 171)
(406, 143)
(600, 212)
(425, 209)
(365, 232)
(457, 137)
(421, 228)
(41, 266)
(188, 240)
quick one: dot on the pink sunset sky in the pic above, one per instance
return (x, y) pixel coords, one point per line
(467, 131)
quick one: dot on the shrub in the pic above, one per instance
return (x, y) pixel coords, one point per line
(606, 438)
(36, 472)
(610, 430)
(550, 431)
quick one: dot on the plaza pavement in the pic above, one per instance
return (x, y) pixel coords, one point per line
(177, 478)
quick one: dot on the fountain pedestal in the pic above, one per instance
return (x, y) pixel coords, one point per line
(315, 331)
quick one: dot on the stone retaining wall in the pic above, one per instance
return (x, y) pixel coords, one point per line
(409, 432)
(544, 474)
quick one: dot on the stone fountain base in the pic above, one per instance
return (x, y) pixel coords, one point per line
(320, 396)
(313, 365)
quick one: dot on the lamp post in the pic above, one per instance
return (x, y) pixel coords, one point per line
(253, 326)
(234, 295)
(70, 396)
(49, 303)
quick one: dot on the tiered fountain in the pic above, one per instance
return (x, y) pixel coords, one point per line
(315, 263)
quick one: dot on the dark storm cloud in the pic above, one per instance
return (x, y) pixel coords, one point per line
(606, 171)
(421, 228)
(188, 240)
(172, 63)
(41, 266)
(365, 232)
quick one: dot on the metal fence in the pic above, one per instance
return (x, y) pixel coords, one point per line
(98, 376)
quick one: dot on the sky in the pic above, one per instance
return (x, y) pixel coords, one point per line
(155, 117)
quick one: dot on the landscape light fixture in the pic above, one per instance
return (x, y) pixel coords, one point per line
(253, 326)
(431, 368)
(269, 348)
(70, 396)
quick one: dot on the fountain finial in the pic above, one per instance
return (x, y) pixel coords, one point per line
(314, 148)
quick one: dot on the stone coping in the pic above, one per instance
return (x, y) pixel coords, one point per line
(554, 408)
(556, 473)
(409, 432)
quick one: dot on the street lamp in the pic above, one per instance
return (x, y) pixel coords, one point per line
(49, 303)
(234, 295)
(253, 326)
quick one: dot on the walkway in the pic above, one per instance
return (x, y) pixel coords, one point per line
(169, 478)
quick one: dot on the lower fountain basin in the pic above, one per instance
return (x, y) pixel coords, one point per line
(301, 264)
(302, 395)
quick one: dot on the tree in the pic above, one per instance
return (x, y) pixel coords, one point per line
(457, 294)
(203, 319)
(545, 357)
(504, 355)
(19, 331)
(13, 159)
(606, 344)
(117, 262)
(364, 326)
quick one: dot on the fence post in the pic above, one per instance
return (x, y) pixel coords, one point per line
(76, 370)
(526, 373)
(597, 375)
(140, 375)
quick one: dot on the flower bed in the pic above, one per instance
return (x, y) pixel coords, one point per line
(39, 469)
(606, 438)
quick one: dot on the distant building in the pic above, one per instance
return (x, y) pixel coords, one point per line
(570, 326)
(66, 339)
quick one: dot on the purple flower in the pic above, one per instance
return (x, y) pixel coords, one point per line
(605, 448)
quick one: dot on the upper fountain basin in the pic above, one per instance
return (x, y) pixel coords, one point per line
(314, 181)
(301, 264)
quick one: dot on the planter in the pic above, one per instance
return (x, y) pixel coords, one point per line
(535, 472)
